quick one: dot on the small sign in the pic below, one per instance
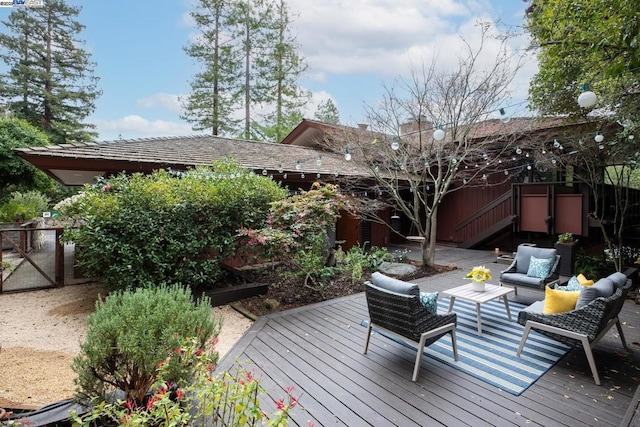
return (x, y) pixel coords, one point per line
(46, 214)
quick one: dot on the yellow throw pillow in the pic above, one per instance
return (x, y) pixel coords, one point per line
(556, 301)
(583, 280)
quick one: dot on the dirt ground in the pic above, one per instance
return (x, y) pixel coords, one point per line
(41, 332)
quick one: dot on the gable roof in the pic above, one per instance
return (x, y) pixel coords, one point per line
(79, 163)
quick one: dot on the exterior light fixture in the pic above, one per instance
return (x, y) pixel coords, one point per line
(503, 116)
(438, 134)
(587, 98)
(395, 144)
(599, 137)
(347, 155)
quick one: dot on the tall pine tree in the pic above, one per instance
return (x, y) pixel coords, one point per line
(50, 80)
(247, 85)
(281, 69)
(215, 92)
(327, 112)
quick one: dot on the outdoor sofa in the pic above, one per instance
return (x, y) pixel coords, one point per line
(596, 311)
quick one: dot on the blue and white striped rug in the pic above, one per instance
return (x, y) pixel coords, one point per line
(492, 356)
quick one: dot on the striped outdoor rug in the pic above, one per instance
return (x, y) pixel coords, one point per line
(492, 356)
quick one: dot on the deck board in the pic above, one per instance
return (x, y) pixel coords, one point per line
(318, 350)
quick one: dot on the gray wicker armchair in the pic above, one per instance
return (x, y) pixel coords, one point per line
(395, 308)
(517, 273)
(584, 326)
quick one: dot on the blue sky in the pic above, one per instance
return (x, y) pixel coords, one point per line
(352, 48)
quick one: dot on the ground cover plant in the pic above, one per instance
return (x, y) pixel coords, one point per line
(166, 227)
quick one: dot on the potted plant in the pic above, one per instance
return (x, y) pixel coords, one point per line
(566, 248)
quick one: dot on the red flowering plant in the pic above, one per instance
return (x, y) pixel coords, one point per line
(215, 400)
(297, 228)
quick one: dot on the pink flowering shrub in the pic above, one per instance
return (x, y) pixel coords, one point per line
(297, 231)
(212, 400)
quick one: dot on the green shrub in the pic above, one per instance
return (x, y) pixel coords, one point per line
(132, 333)
(24, 206)
(357, 260)
(220, 400)
(297, 230)
(163, 227)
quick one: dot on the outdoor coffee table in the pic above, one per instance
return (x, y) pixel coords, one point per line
(466, 293)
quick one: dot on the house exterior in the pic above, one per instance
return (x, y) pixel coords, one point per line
(498, 214)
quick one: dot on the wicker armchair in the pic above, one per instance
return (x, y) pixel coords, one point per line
(396, 310)
(583, 326)
(516, 274)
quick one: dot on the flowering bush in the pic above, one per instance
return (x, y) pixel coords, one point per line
(297, 228)
(132, 332)
(479, 274)
(213, 400)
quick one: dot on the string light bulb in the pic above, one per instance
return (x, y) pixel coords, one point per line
(347, 155)
(587, 98)
(438, 134)
(395, 144)
(280, 169)
(599, 137)
(319, 160)
(503, 116)
(298, 165)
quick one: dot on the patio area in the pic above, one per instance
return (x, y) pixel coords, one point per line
(318, 350)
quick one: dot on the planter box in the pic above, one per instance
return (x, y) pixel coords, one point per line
(567, 252)
(235, 293)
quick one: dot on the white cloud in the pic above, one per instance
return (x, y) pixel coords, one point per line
(167, 101)
(378, 36)
(135, 126)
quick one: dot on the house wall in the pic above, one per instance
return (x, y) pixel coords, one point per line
(462, 204)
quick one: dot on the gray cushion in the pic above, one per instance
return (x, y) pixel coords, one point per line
(521, 279)
(524, 254)
(602, 288)
(394, 285)
(536, 307)
(619, 279)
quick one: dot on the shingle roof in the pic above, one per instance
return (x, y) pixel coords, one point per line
(181, 152)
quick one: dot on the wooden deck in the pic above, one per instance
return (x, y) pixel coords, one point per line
(318, 350)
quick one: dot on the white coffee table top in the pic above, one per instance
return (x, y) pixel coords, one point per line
(466, 292)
